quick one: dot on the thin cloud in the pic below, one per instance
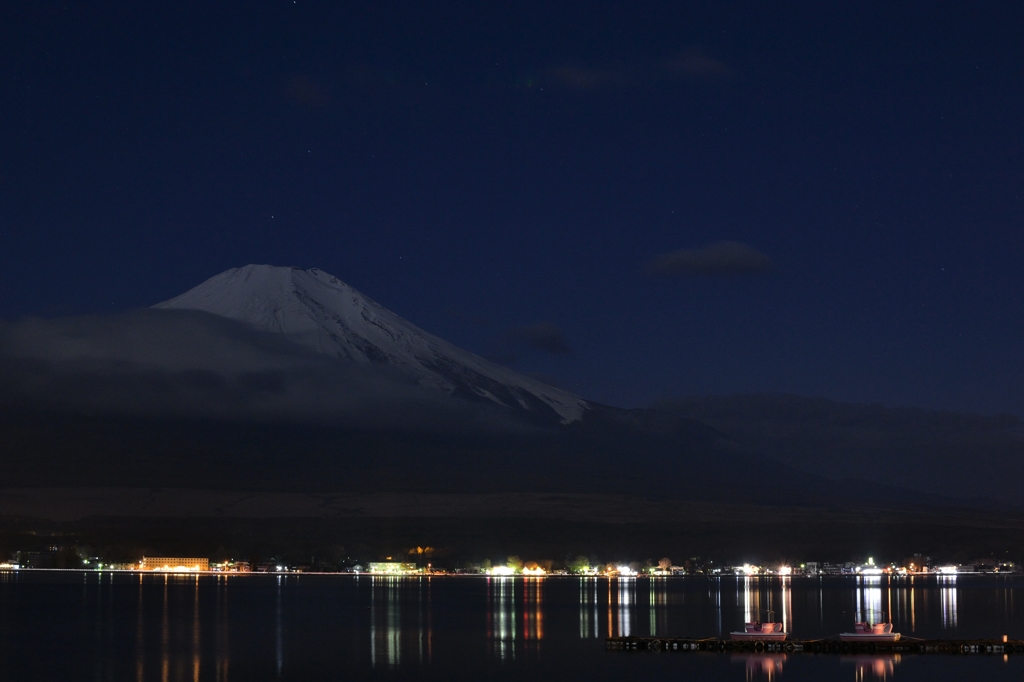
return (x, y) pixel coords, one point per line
(540, 336)
(305, 91)
(722, 259)
(695, 64)
(585, 78)
(692, 64)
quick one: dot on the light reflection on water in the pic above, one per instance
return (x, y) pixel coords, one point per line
(501, 616)
(180, 628)
(869, 600)
(397, 636)
(180, 631)
(868, 667)
(764, 600)
(222, 656)
(657, 600)
(589, 614)
(947, 596)
(278, 638)
(760, 666)
(533, 613)
(624, 612)
(385, 621)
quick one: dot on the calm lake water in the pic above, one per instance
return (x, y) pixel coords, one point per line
(103, 626)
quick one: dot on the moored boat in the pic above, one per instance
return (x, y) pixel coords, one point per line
(866, 632)
(765, 632)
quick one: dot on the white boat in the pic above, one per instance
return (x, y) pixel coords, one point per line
(765, 632)
(866, 632)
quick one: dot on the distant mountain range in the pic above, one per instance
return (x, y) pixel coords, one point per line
(943, 453)
(272, 378)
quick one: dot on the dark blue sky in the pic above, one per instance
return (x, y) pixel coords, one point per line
(483, 167)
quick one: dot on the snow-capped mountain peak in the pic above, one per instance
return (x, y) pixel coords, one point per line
(321, 312)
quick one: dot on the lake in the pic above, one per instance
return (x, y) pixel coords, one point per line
(122, 626)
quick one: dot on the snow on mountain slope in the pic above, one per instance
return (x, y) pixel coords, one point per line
(321, 312)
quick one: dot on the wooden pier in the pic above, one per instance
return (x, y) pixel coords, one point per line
(906, 645)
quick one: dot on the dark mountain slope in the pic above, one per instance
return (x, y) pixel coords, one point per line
(942, 453)
(51, 449)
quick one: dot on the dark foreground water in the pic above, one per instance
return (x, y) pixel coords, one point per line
(101, 626)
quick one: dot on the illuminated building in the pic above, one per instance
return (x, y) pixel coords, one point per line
(392, 567)
(174, 564)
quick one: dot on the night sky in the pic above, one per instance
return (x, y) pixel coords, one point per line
(631, 200)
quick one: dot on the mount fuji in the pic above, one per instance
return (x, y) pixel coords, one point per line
(320, 312)
(280, 378)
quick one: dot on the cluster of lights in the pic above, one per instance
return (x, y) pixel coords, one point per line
(533, 570)
(508, 570)
(621, 571)
(750, 569)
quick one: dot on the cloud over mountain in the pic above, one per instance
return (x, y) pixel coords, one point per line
(194, 364)
(540, 336)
